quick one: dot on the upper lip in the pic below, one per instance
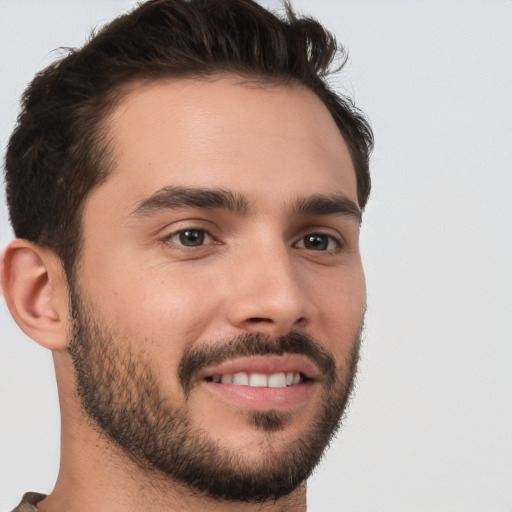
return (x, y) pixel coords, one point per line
(264, 364)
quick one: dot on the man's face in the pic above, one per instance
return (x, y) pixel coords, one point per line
(219, 297)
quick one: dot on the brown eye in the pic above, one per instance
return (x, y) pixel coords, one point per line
(190, 237)
(318, 242)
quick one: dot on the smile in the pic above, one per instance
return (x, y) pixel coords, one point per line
(264, 382)
(259, 380)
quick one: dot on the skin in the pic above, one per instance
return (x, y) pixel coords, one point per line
(254, 274)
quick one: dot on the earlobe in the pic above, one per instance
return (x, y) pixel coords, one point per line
(35, 290)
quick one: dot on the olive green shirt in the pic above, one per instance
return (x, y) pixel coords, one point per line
(29, 502)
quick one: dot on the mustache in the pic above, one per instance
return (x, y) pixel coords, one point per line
(254, 344)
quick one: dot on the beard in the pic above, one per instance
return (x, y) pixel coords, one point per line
(125, 401)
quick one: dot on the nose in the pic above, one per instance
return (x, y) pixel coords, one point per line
(268, 294)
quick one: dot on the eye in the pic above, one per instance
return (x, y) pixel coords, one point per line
(190, 237)
(318, 242)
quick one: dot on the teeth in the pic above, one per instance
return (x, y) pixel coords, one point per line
(260, 380)
(277, 380)
(242, 379)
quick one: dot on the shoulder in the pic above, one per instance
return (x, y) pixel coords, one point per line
(29, 502)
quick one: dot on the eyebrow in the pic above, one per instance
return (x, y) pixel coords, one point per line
(174, 197)
(327, 205)
(182, 197)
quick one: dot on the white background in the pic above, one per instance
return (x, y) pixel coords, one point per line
(430, 428)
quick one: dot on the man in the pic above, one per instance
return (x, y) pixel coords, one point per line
(187, 195)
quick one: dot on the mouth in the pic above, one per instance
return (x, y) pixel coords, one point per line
(274, 382)
(259, 380)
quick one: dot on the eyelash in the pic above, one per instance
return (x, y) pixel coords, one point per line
(334, 244)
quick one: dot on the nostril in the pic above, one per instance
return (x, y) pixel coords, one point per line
(262, 320)
(258, 320)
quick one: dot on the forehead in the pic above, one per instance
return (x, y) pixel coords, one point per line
(224, 132)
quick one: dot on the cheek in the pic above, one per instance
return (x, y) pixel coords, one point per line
(165, 305)
(341, 308)
(153, 318)
(159, 308)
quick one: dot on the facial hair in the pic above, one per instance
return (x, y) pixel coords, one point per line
(125, 401)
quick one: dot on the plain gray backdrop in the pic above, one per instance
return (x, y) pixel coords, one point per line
(429, 428)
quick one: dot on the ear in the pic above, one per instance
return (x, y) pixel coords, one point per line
(35, 290)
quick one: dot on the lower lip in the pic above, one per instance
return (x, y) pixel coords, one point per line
(263, 398)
